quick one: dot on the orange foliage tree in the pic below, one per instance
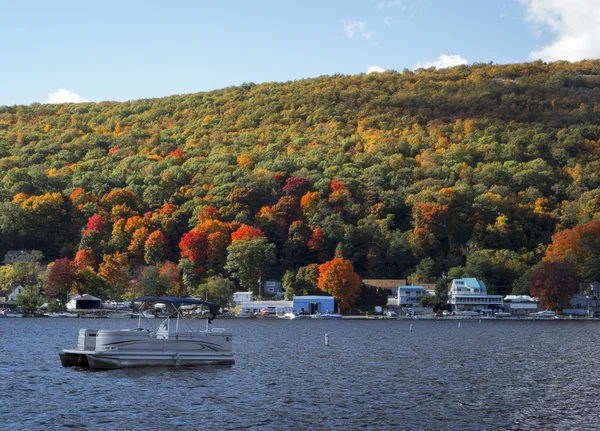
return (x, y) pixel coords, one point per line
(246, 232)
(337, 277)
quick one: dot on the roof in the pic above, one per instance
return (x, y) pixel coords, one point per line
(520, 298)
(471, 282)
(411, 288)
(242, 293)
(384, 284)
(313, 297)
(84, 297)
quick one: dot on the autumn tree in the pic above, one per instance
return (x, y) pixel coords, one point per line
(337, 277)
(86, 258)
(115, 271)
(169, 279)
(554, 283)
(156, 248)
(64, 278)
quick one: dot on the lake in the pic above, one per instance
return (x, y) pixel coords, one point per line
(374, 375)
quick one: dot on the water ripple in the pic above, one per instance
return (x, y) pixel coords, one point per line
(375, 375)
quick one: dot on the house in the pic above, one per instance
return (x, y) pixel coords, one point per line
(470, 294)
(273, 288)
(14, 292)
(313, 304)
(520, 305)
(13, 256)
(584, 302)
(410, 296)
(240, 297)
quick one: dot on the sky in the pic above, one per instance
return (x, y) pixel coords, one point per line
(74, 51)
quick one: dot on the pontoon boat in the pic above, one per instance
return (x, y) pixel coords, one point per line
(165, 345)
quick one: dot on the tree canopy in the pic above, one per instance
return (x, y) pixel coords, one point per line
(419, 173)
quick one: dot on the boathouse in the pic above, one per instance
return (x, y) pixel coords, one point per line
(313, 304)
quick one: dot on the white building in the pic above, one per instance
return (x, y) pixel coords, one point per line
(520, 305)
(470, 294)
(274, 307)
(410, 296)
(239, 297)
(15, 291)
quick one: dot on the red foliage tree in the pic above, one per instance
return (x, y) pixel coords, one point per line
(296, 186)
(95, 224)
(554, 283)
(64, 277)
(193, 246)
(315, 243)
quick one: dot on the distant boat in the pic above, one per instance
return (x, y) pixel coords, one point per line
(123, 315)
(11, 313)
(327, 315)
(546, 314)
(64, 314)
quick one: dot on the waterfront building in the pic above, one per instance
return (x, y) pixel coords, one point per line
(241, 297)
(410, 296)
(273, 307)
(313, 304)
(470, 294)
(14, 292)
(520, 305)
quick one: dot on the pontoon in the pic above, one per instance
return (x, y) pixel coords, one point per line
(165, 345)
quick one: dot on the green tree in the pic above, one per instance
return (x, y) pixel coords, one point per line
(30, 299)
(215, 289)
(250, 260)
(288, 284)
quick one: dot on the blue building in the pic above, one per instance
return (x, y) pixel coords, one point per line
(313, 304)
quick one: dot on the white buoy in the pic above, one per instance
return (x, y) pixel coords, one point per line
(459, 324)
(480, 321)
(411, 328)
(327, 339)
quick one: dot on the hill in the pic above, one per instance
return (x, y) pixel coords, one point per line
(413, 173)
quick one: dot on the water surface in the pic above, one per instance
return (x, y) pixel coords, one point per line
(375, 375)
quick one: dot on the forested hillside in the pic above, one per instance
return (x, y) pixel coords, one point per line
(469, 170)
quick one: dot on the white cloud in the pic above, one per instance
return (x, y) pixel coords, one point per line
(443, 61)
(575, 24)
(64, 96)
(357, 27)
(373, 68)
(386, 4)
(388, 20)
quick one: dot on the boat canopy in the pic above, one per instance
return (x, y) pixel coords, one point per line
(177, 302)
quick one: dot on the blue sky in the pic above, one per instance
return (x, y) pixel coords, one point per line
(64, 51)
